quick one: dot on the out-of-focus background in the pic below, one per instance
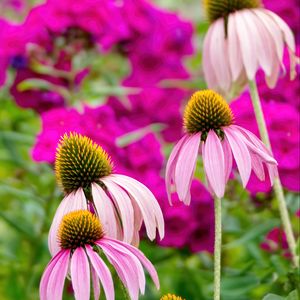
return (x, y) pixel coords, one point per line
(120, 72)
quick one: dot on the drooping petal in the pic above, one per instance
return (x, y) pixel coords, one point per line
(80, 274)
(123, 202)
(257, 166)
(273, 172)
(102, 272)
(47, 273)
(105, 210)
(57, 277)
(185, 167)
(96, 284)
(73, 201)
(145, 200)
(214, 165)
(240, 153)
(227, 159)
(171, 165)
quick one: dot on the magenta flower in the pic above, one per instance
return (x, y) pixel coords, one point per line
(81, 237)
(251, 38)
(209, 124)
(84, 171)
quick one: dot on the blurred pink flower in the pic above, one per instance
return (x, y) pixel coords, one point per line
(283, 127)
(208, 121)
(78, 258)
(255, 38)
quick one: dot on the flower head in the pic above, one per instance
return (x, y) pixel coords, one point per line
(244, 37)
(84, 170)
(210, 130)
(81, 238)
(171, 297)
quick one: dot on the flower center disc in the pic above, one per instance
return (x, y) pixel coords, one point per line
(206, 110)
(170, 297)
(79, 162)
(79, 228)
(216, 9)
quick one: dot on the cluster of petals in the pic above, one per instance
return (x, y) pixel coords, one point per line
(122, 208)
(247, 150)
(254, 39)
(84, 262)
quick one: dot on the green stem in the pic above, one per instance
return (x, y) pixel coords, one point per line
(217, 249)
(277, 184)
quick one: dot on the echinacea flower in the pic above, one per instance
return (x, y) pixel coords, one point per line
(171, 297)
(209, 126)
(243, 37)
(84, 171)
(81, 240)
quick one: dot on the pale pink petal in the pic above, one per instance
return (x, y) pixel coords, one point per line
(145, 200)
(105, 210)
(234, 51)
(123, 202)
(102, 272)
(209, 72)
(73, 201)
(96, 284)
(214, 165)
(209, 187)
(272, 79)
(247, 40)
(185, 167)
(57, 277)
(273, 172)
(240, 153)
(257, 166)
(171, 165)
(144, 260)
(227, 159)
(219, 52)
(80, 274)
(47, 273)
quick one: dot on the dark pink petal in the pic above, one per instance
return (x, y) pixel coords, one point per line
(214, 165)
(102, 272)
(80, 274)
(240, 153)
(57, 277)
(185, 168)
(171, 165)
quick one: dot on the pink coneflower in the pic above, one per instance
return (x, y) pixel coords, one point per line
(208, 121)
(243, 37)
(81, 238)
(84, 171)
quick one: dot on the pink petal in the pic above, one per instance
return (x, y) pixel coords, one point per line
(240, 153)
(47, 273)
(105, 210)
(80, 274)
(144, 260)
(185, 167)
(257, 166)
(102, 272)
(171, 165)
(146, 201)
(57, 277)
(74, 201)
(214, 165)
(273, 173)
(123, 202)
(96, 284)
(227, 159)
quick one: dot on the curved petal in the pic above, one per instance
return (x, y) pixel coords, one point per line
(57, 277)
(144, 260)
(214, 164)
(227, 159)
(96, 284)
(105, 210)
(171, 165)
(185, 167)
(145, 200)
(240, 153)
(257, 166)
(80, 274)
(102, 272)
(47, 273)
(74, 201)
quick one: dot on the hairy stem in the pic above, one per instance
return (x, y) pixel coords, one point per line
(217, 249)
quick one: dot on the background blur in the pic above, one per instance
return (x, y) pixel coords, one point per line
(121, 73)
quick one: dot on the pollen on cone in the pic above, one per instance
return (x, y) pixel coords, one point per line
(171, 297)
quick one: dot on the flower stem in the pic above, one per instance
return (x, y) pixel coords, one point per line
(217, 249)
(277, 183)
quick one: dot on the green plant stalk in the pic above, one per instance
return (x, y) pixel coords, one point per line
(217, 249)
(277, 183)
